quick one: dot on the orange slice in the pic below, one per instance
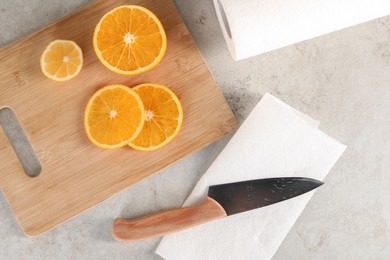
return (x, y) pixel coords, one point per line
(114, 116)
(129, 40)
(62, 60)
(163, 117)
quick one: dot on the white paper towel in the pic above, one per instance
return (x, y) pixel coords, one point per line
(253, 27)
(274, 141)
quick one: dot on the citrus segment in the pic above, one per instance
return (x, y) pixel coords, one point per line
(129, 40)
(114, 116)
(62, 60)
(163, 117)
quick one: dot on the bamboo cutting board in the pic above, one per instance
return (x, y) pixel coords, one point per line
(75, 174)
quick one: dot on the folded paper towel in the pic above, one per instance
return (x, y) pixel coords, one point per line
(253, 27)
(274, 141)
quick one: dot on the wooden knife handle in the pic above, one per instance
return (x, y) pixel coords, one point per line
(166, 222)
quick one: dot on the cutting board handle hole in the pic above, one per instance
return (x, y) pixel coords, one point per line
(224, 18)
(19, 142)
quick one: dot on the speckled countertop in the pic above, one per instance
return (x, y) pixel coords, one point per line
(341, 79)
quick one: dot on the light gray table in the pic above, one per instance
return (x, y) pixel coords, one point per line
(341, 79)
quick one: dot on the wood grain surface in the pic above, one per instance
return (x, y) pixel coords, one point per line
(76, 175)
(166, 222)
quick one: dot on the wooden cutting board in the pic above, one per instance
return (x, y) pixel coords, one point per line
(75, 174)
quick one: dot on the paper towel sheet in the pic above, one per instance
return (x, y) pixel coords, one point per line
(274, 141)
(252, 27)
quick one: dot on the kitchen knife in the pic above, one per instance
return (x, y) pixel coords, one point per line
(222, 200)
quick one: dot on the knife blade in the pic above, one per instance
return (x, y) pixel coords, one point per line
(222, 200)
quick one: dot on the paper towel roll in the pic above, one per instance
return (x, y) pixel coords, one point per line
(252, 27)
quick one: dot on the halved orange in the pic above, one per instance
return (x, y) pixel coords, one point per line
(163, 117)
(62, 60)
(114, 116)
(129, 40)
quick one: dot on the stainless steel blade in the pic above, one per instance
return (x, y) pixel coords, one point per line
(247, 195)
